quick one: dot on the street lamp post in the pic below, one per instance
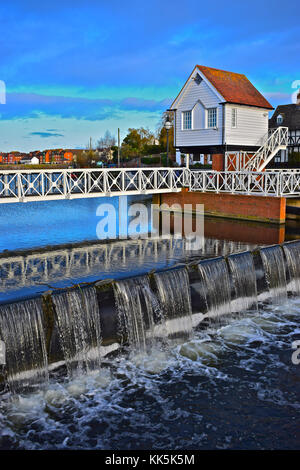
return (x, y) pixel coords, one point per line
(168, 127)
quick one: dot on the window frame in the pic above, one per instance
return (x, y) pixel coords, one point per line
(233, 118)
(279, 119)
(208, 118)
(183, 122)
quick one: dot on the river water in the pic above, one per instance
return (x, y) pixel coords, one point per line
(228, 383)
(54, 244)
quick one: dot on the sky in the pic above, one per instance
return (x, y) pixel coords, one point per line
(74, 69)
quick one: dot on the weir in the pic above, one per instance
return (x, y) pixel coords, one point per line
(22, 329)
(77, 327)
(215, 286)
(245, 288)
(78, 322)
(275, 269)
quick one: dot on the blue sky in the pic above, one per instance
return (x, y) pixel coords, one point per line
(74, 69)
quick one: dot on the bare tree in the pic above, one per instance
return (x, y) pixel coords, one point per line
(107, 141)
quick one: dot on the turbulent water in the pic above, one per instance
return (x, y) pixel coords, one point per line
(231, 382)
(233, 386)
(23, 334)
(292, 253)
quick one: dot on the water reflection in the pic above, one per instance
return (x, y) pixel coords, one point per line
(26, 273)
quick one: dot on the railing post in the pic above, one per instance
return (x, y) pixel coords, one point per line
(42, 183)
(105, 183)
(84, 181)
(64, 182)
(188, 180)
(171, 179)
(6, 191)
(155, 179)
(279, 184)
(123, 179)
(19, 180)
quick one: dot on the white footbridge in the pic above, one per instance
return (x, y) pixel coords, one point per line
(44, 185)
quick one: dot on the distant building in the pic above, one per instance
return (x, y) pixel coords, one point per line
(288, 115)
(105, 153)
(34, 161)
(11, 158)
(218, 111)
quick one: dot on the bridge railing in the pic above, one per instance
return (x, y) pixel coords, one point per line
(238, 182)
(31, 185)
(22, 185)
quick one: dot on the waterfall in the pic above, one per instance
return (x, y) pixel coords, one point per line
(21, 329)
(174, 296)
(273, 262)
(216, 286)
(78, 321)
(136, 308)
(292, 254)
(244, 280)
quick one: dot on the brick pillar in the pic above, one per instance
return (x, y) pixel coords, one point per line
(218, 162)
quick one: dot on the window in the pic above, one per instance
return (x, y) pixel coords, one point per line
(279, 119)
(212, 117)
(187, 120)
(198, 79)
(233, 117)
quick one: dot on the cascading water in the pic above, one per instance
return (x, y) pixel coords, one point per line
(174, 296)
(21, 329)
(136, 309)
(292, 254)
(78, 321)
(216, 286)
(244, 280)
(273, 262)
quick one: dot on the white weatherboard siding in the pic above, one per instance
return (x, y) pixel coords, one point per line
(251, 126)
(198, 98)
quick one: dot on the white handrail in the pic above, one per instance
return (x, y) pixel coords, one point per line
(249, 183)
(276, 140)
(40, 185)
(31, 185)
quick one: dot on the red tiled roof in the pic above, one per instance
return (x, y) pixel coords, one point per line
(234, 87)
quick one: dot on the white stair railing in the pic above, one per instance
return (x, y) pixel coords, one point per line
(277, 141)
(243, 161)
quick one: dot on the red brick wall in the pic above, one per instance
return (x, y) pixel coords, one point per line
(262, 208)
(218, 162)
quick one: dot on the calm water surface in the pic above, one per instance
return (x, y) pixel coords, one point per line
(53, 223)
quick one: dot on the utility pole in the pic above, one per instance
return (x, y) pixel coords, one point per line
(118, 147)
